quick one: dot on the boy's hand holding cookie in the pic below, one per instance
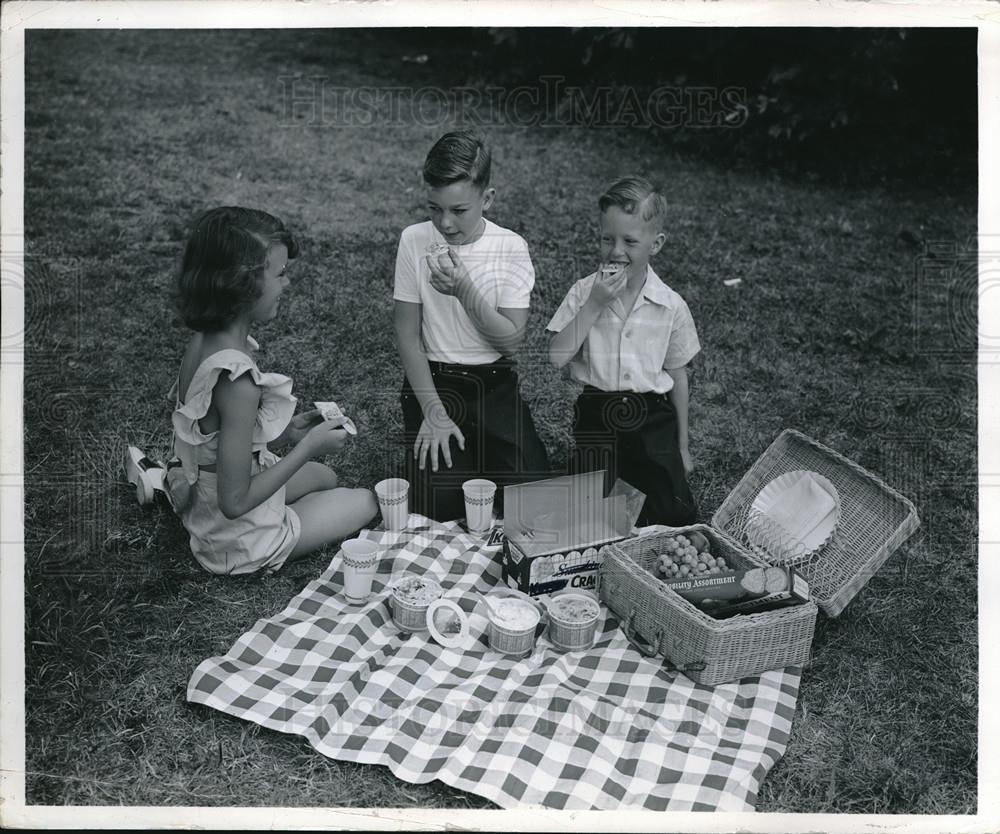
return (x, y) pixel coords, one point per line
(448, 273)
(611, 280)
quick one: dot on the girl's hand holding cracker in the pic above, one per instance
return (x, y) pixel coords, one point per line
(448, 273)
(611, 280)
(300, 424)
(325, 438)
(331, 411)
(435, 435)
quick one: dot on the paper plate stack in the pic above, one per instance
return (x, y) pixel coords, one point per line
(793, 517)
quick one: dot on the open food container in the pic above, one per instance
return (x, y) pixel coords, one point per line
(835, 529)
(556, 530)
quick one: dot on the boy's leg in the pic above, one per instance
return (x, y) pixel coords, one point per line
(594, 435)
(438, 495)
(513, 453)
(650, 460)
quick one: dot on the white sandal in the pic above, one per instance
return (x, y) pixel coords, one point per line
(145, 474)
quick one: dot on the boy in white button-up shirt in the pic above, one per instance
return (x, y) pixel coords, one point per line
(628, 338)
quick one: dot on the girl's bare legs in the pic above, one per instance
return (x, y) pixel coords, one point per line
(312, 477)
(331, 515)
(327, 512)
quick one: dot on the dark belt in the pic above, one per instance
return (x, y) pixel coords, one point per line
(649, 397)
(502, 367)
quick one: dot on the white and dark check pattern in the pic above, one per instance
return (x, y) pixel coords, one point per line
(598, 729)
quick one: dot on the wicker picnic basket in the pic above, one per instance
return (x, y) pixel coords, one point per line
(873, 521)
(709, 651)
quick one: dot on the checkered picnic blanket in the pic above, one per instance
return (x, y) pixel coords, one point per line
(598, 729)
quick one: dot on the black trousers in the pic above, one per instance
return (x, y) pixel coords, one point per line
(634, 437)
(501, 442)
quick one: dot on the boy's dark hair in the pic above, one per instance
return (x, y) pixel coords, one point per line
(456, 156)
(636, 195)
(224, 260)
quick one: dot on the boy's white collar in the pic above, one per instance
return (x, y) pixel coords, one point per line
(654, 289)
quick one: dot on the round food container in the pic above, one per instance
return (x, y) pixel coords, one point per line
(411, 597)
(512, 625)
(572, 620)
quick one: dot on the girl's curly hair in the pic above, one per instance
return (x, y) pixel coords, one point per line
(224, 260)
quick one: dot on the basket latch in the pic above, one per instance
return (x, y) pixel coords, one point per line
(645, 648)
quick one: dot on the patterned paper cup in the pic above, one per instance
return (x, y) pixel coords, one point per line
(359, 558)
(393, 499)
(479, 494)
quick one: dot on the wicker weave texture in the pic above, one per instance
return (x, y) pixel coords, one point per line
(874, 519)
(707, 650)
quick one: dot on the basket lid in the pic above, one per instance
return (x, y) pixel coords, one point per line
(855, 521)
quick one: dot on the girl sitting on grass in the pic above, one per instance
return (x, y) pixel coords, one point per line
(245, 508)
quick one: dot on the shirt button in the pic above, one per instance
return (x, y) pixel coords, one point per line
(628, 375)
(628, 334)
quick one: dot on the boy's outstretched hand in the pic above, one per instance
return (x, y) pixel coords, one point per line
(448, 273)
(435, 435)
(608, 286)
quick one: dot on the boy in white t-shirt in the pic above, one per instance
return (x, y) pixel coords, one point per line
(628, 338)
(462, 292)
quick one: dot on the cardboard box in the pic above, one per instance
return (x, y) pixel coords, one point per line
(555, 530)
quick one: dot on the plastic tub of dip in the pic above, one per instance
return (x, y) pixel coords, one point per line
(512, 623)
(573, 620)
(411, 597)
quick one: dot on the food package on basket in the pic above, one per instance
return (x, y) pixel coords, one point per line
(719, 593)
(556, 530)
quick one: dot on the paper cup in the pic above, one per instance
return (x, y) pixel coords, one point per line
(359, 558)
(393, 495)
(479, 504)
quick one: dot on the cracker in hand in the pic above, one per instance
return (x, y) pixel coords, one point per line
(331, 411)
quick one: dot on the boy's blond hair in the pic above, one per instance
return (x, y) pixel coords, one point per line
(636, 195)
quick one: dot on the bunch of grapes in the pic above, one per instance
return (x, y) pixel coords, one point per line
(685, 557)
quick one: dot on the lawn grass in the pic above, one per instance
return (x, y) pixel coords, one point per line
(835, 330)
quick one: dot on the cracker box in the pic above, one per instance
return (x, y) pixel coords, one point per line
(555, 530)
